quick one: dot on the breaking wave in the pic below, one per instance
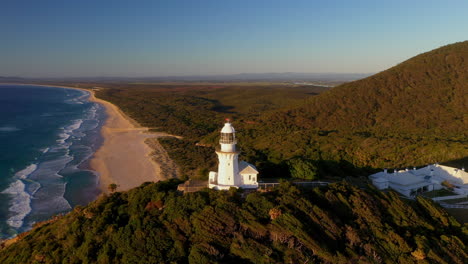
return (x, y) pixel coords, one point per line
(39, 190)
(20, 203)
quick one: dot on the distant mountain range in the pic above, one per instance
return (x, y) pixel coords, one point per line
(11, 79)
(284, 76)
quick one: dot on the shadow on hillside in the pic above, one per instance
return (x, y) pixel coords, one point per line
(458, 163)
(218, 107)
(320, 168)
(223, 109)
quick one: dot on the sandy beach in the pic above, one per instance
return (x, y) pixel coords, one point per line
(124, 158)
(129, 155)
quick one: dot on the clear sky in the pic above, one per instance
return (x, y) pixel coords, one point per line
(71, 38)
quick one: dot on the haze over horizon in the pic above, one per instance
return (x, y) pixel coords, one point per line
(54, 38)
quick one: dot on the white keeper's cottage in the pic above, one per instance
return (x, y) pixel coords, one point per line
(416, 181)
(231, 173)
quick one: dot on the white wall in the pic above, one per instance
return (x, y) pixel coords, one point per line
(228, 169)
(249, 179)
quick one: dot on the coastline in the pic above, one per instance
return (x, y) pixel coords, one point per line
(50, 134)
(125, 157)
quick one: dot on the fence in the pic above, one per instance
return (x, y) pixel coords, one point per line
(266, 185)
(446, 205)
(451, 197)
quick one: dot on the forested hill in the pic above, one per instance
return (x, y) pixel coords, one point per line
(425, 94)
(410, 115)
(335, 224)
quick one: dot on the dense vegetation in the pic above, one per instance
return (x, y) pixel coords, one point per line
(197, 112)
(410, 115)
(336, 224)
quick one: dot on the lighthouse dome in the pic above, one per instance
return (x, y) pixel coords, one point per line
(228, 135)
(228, 128)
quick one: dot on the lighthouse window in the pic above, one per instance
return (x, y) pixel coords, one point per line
(229, 164)
(227, 138)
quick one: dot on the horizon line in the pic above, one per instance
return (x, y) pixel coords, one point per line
(188, 75)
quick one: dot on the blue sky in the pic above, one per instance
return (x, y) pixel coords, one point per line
(70, 38)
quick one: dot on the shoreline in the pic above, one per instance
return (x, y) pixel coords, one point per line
(125, 157)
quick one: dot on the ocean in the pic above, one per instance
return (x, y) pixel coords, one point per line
(47, 135)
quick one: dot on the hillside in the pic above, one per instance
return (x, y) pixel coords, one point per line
(409, 115)
(196, 111)
(335, 224)
(427, 94)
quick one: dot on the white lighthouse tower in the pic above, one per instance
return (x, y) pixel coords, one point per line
(231, 173)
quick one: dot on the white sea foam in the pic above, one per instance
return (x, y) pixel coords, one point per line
(45, 150)
(20, 204)
(91, 114)
(62, 138)
(9, 129)
(80, 99)
(48, 170)
(68, 131)
(24, 173)
(76, 124)
(39, 189)
(50, 197)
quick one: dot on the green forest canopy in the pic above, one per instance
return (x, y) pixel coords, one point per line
(412, 114)
(336, 224)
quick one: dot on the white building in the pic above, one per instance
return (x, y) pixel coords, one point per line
(231, 173)
(412, 182)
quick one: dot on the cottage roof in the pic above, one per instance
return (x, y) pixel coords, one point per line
(432, 173)
(247, 168)
(380, 179)
(405, 178)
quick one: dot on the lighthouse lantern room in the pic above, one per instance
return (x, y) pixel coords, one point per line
(231, 173)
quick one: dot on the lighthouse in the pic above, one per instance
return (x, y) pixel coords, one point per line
(231, 172)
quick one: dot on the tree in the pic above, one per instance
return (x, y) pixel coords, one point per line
(303, 169)
(112, 187)
(275, 213)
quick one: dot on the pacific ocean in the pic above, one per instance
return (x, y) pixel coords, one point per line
(47, 135)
